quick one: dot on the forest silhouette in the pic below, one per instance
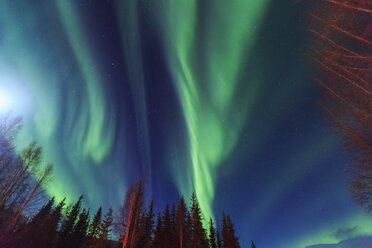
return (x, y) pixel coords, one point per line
(23, 178)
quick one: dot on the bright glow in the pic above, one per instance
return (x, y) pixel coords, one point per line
(5, 102)
(15, 97)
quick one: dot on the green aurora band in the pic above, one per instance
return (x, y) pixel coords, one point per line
(131, 46)
(206, 54)
(93, 119)
(85, 120)
(361, 222)
(208, 44)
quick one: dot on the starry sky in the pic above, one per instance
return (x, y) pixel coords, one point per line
(209, 96)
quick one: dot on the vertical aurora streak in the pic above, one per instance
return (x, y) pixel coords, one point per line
(209, 95)
(206, 57)
(78, 135)
(94, 118)
(127, 15)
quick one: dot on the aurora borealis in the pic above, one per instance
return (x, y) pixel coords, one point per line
(211, 96)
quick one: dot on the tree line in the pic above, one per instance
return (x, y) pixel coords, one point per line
(23, 176)
(176, 226)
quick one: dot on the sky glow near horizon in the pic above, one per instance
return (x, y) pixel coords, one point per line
(210, 96)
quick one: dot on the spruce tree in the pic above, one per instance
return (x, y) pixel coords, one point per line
(199, 237)
(106, 224)
(52, 225)
(148, 228)
(252, 244)
(225, 232)
(30, 234)
(182, 233)
(212, 235)
(80, 229)
(234, 238)
(43, 213)
(188, 233)
(167, 229)
(42, 229)
(158, 237)
(173, 223)
(96, 222)
(219, 244)
(105, 229)
(228, 233)
(68, 225)
(37, 226)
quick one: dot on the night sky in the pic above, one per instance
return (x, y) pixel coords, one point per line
(209, 96)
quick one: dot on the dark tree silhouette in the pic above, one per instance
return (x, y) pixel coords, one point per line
(148, 227)
(96, 222)
(23, 187)
(68, 225)
(212, 235)
(199, 237)
(188, 231)
(173, 214)
(158, 233)
(228, 233)
(21, 179)
(42, 215)
(252, 244)
(181, 229)
(104, 230)
(52, 226)
(177, 227)
(167, 241)
(106, 225)
(80, 229)
(34, 232)
(219, 244)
